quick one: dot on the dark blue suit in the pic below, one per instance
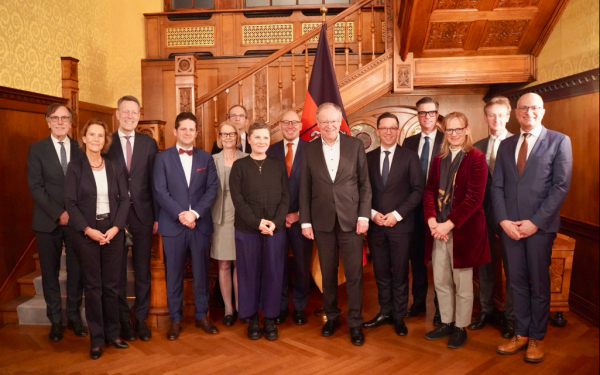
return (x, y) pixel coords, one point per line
(535, 195)
(301, 246)
(173, 195)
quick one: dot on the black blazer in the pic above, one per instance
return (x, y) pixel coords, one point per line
(139, 178)
(216, 149)
(278, 150)
(46, 182)
(80, 194)
(349, 197)
(403, 190)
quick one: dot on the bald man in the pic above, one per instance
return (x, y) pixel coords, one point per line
(532, 177)
(290, 151)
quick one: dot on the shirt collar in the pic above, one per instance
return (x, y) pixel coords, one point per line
(123, 135)
(391, 149)
(295, 142)
(501, 137)
(431, 135)
(183, 148)
(55, 140)
(535, 132)
(337, 141)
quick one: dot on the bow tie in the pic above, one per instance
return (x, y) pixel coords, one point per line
(189, 152)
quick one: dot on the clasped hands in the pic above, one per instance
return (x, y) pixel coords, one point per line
(266, 227)
(188, 219)
(101, 238)
(361, 227)
(518, 229)
(382, 220)
(440, 231)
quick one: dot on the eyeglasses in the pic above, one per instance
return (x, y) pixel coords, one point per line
(333, 122)
(236, 116)
(228, 135)
(427, 113)
(289, 123)
(525, 108)
(63, 118)
(458, 131)
(387, 130)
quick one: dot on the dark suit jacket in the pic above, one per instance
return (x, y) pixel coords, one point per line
(482, 146)
(172, 193)
(539, 192)
(80, 194)
(403, 191)
(349, 197)
(278, 150)
(46, 183)
(139, 177)
(216, 149)
(470, 239)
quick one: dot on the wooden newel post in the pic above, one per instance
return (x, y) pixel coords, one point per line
(70, 91)
(186, 87)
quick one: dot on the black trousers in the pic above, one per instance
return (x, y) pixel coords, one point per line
(417, 262)
(49, 250)
(141, 252)
(389, 251)
(349, 245)
(100, 265)
(302, 251)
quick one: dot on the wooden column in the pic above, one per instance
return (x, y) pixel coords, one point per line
(70, 91)
(186, 87)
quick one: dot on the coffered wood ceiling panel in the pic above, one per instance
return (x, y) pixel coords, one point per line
(446, 28)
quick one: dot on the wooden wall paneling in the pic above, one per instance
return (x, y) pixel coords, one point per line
(418, 32)
(227, 37)
(208, 79)
(88, 111)
(169, 105)
(152, 37)
(153, 89)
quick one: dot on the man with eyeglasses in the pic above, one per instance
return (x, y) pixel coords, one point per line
(290, 151)
(532, 177)
(335, 206)
(427, 145)
(496, 114)
(136, 152)
(397, 185)
(46, 168)
(239, 116)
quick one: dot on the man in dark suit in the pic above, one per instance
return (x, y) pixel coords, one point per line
(136, 151)
(185, 187)
(290, 151)
(46, 167)
(397, 184)
(532, 177)
(426, 145)
(335, 205)
(239, 116)
(496, 114)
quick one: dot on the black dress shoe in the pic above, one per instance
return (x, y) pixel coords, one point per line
(254, 331)
(142, 330)
(207, 325)
(174, 329)
(299, 317)
(127, 332)
(55, 331)
(270, 330)
(415, 310)
(282, 315)
(480, 322)
(400, 328)
(228, 320)
(95, 353)
(458, 338)
(508, 331)
(118, 344)
(437, 319)
(444, 330)
(378, 320)
(77, 327)
(356, 336)
(329, 327)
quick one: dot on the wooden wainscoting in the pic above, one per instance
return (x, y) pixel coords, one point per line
(89, 111)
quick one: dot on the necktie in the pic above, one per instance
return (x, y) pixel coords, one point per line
(522, 158)
(385, 171)
(289, 158)
(425, 157)
(189, 152)
(493, 152)
(63, 157)
(129, 151)
(240, 146)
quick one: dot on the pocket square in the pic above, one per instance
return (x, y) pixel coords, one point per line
(200, 169)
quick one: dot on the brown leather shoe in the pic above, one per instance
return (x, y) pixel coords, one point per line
(535, 351)
(207, 325)
(173, 332)
(513, 346)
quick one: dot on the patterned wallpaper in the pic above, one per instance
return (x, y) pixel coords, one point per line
(573, 45)
(106, 36)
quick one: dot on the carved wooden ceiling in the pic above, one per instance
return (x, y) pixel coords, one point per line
(441, 28)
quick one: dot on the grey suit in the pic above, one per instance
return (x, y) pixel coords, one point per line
(536, 195)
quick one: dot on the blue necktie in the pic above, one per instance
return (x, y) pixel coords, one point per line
(240, 147)
(425, 157)
(385, 171)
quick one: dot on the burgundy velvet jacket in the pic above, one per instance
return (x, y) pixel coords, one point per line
(470, 240)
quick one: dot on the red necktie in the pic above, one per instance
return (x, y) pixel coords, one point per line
(289, 157)
(522, 156)
(129, 152)
(189, 152)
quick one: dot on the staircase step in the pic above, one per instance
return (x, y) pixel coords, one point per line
(8, 311)
(26, 283)
(62, 279)
(63, 260)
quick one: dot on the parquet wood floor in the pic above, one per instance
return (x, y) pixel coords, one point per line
(574, 349)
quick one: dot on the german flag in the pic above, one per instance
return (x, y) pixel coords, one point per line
(322, 88)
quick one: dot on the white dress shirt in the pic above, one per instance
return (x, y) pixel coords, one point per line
(66, 143)
(243, 141)
(124, 143)
(535, 134)
(102, 202)
(186, 163)
(381, 159)
(431, 136)
(294, 147)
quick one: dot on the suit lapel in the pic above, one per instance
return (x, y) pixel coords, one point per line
(178, 166)
(437, 143)
(395, 167)
(74, 149)
(109, 175)
(51, 150)
(512, 148)
(86, 169)
(538, 144)
(320, 155)
(296, 162)
(118, 150)
(195, 165)
(137, 150)
(345, 156)
(377, 167)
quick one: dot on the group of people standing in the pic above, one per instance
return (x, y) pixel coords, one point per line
(436, 197)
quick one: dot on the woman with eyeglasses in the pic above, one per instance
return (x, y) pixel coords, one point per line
(223, 214)
(457, 233)
(260, 195)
